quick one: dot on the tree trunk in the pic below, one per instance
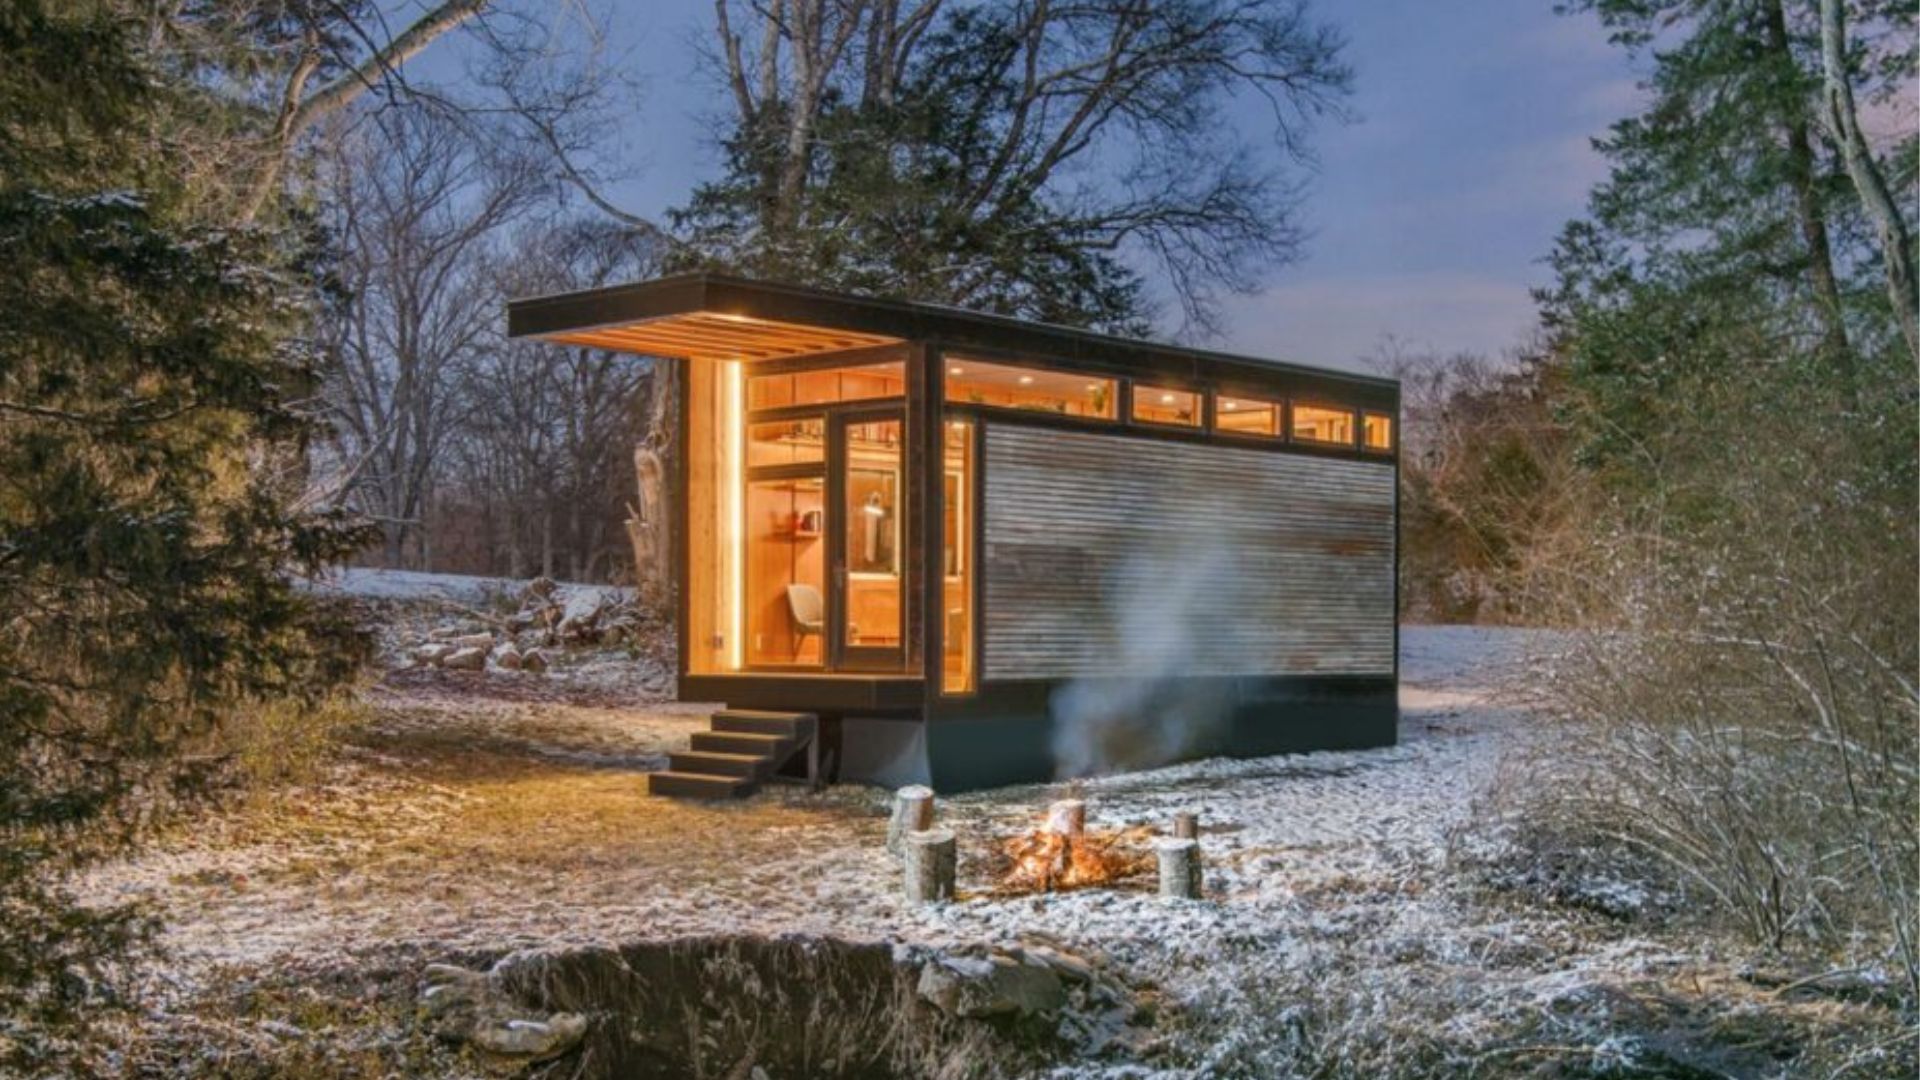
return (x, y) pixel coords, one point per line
(1179, 868)
(1186, 825)
(930, 864)
(912, 813)
(1802, 172)
(1067, 818)
(650, 524)
(1896, 246)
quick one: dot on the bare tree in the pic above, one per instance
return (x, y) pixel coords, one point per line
(1034, 89)
(417, 207)
(1894, 240)
(542, 460)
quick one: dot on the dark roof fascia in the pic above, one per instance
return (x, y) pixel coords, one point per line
(952, 327)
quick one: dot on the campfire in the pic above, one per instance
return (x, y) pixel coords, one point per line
(1060, 853)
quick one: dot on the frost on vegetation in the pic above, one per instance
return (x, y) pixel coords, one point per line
(1348, 926)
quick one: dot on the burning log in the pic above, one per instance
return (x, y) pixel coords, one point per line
(1186, 825)
(930, 864)
(1179, 867)
(1068, 818)
(912, 812)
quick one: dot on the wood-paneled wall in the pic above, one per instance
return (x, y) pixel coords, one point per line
(1117, 556)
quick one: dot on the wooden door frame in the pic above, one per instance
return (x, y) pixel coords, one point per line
(840, 656)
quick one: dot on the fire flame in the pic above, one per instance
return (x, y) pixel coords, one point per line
(1044, 860)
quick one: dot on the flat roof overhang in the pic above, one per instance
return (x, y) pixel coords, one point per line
(716, 316)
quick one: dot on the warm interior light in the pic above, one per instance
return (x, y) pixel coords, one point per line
(1229, 405)
(1026, 380)
(1093, 388)
(955, 371)
(733, 424)
(1166, 399)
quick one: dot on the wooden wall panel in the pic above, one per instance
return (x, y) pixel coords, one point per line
(1118, 556)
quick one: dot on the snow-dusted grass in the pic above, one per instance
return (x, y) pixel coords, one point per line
(1340, 928)
(371, 583)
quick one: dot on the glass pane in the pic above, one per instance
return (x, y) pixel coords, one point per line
(1247, 416)
(787, 442)
(827, 386)
(1378, 431)
(1165, 405)
(973, 382)
(1312, 423)
(872, 519)
(785, 598)
(956, 635)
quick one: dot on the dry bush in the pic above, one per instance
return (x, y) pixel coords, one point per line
(275, 743)
(1741, 707)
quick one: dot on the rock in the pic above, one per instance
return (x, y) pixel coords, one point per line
(531, 1040)
(581, 617)
(462, 1006)
(538, 591)
(994, 985)
(509, 659)
(472, 641)
(533, 660)
(429, 655)
(467, 659)
(1068, 966)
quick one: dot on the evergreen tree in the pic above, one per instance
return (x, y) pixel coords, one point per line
(1727, 240)
(150, 362)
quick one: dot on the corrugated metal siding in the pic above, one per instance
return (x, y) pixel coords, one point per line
(1108, 555)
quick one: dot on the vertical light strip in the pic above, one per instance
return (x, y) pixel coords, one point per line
(734, 426)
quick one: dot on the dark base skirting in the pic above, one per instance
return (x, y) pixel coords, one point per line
(1020, 732)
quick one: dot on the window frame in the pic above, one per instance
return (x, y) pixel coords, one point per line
(1278, 402)
(1353, 422)
(1116, 385)
(1202, 406)
(1393, 433)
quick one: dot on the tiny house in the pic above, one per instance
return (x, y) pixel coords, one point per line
(968, 550)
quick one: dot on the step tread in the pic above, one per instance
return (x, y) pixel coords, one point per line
(697, 785)
(742, 738)
(719, 763)
(794, 726)
(766, 714)
(718, 755)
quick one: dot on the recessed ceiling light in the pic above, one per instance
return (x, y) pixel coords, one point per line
(1166, 399)
(1026, 380)
(1093, 388)
(954, 371)
(1229, 405)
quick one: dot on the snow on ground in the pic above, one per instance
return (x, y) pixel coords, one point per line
(370, 583)
(469, 820)
(482, 813)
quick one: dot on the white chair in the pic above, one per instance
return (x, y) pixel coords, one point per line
(809, 614)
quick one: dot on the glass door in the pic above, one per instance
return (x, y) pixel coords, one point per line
(867, 542)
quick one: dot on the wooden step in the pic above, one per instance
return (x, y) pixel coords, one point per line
(772, 747)
(758, 722)
(697, 785)
(707, 763)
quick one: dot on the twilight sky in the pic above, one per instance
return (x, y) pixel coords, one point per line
(1430, 213)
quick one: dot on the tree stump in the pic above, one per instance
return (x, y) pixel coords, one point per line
(930, 863)
(1186, 825)
(912, 812)
(1179, 867)
(1067, 818)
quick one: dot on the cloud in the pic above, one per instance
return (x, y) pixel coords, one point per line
(1343, 321)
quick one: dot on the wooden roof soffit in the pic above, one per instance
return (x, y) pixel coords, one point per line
(703, 335)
